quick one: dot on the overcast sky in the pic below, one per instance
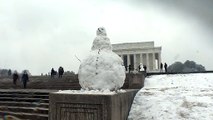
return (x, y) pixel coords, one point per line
(40, 34)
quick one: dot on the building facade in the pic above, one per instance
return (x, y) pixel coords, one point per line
(139, 53)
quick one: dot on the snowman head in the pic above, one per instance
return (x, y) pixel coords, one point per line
(101, 31)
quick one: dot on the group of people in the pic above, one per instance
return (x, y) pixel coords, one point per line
(60, 72)
(24, 78)
(165, 67)
(131, 67)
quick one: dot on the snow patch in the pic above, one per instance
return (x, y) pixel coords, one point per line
(94, 92)
(174, 97)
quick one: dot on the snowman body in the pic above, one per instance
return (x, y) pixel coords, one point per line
(102, 68)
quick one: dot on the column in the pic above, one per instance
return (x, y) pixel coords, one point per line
(141, 60)
(135, 64)
(159, 59)
(147, 61)
(154, 62)
(128, 60)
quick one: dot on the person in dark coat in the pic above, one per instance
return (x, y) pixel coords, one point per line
(130, 68)
(145, 68)
(60, 72)
(25, 79)
(139, 68)
(15, 77)
(161, 67)
(165, 67)
(52, 73)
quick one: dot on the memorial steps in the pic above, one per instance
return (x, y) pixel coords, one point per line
(64, 83)
(26, 116)
(57, 84)
(46, 82)
(43, 82)
(25, 104)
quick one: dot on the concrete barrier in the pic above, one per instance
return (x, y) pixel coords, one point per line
(135, 80)
(90, 106)
(165, 73)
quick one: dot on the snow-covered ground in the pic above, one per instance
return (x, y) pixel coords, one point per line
(175, 97)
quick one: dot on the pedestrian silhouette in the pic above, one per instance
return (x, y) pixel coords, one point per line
(52, 73)
(60, 72)
(161, 67)
(145, 68)
(139, 68)
(130, 68)
(15, 77)
(165, 67)
(25, 79)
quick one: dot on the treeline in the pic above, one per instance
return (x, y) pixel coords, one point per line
(9, 72)
(69, 73)
(187, 66)
(5, 72)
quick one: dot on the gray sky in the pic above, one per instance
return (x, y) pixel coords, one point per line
(41, 34)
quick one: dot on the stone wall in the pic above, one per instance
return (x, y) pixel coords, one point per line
(90, 106)
(165, 73)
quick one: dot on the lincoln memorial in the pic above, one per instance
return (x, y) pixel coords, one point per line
(138, 53)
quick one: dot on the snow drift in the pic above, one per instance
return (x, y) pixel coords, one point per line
(175, 97)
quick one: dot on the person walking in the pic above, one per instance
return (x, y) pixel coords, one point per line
(25, 79)
(60, 72)
(52, 73)
(165, 67)
(15, 77)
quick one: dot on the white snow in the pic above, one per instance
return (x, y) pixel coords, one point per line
(102, 68)
(102, 43)
(94, 92)
(174, 97)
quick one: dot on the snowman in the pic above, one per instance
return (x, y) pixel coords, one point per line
(101, 69)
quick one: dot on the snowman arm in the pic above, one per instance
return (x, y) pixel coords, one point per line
(77, 58)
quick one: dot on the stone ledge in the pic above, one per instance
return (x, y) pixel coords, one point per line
(90, 106)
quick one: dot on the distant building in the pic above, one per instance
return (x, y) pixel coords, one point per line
(139, 52)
